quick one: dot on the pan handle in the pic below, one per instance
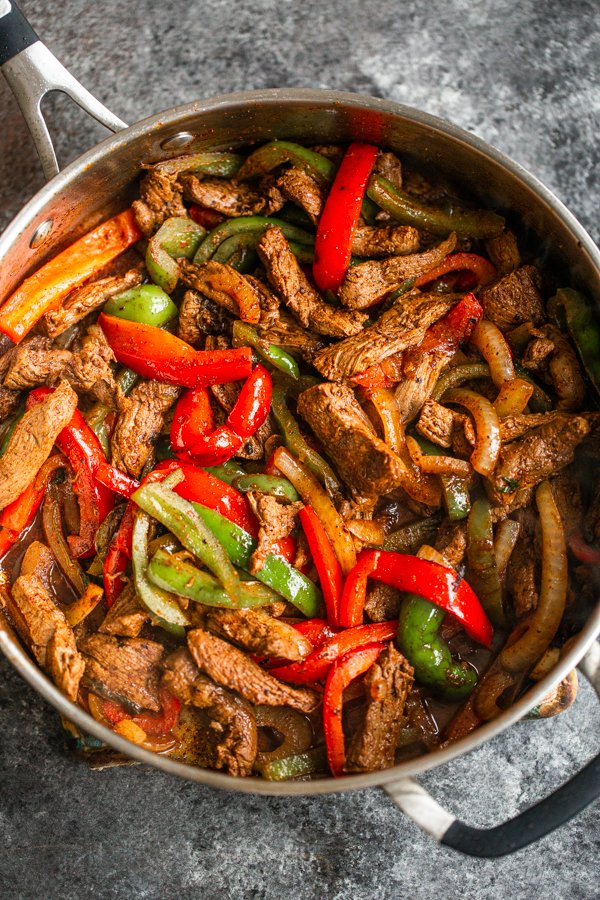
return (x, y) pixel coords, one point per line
(32, 71)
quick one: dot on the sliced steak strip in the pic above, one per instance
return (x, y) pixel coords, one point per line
(35, 361)
(303, 190)
(9, 400)
(521, 570)
(393, 240)
(39, 560)
(89, 370)
(364, 462)
(287, 334)
(387, 685)
(382, 602)
(402, 326)
(513, 427)
(86, 299)
(370, 281)
(514, 299)
(232, 717)
(558, 364)
(123, 669)
(43, 627)
(277, 521)
(258, 632)
(139, 424)
(231, 668)
(228, 197)
(288, 279)
(32, 440)
(503, 251)
(388, 165)
(199, 316)
(436, 423)
(224, 286)
(160, 194)
(125, 617)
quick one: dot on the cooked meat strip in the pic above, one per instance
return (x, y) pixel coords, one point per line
(503, 252)
(387, 685)
(139, 424)
(228, 197)
(566, 490)
(39, 560)
(160, 194)
(370, 281)
(9, 400)
(257, 632)
(32, 440)
(199, 316)
(89, 370)
(288, 279)
(123, 669)
(542, 452)
(382, 602)
(88, 298)
(436, 423)
(43, 626)
(364, 462)
(537, 351)
(514, 299)
(513, 427)
(451, 541)
(125, 617)
(402, 326)
(224, 286)
(276, 520)
(393, 240)
(416, 387)
(303, 190)
(558, 364)
(33, 362)
(388, 165)
(231, 668)
(269, 302)
(232, 717)
(521, 570)
(287, 334)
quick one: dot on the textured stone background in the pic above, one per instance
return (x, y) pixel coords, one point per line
(522, 74)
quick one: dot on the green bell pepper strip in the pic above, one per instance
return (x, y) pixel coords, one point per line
(182, 519)
(219, 163)
(295, 215)
(163, 607)
(148, 304)
(276, 153)
(296, 443)
(518, 338)
(236, 244)
(408, 210)
(245, 335)
(227, 471)
(276, 572)
(455, 489)
(176, 238)
(243, 224)
(584, 328)
(419, 639)
(412, 536)
(482, 561)
(457, 375)
(171, 572)
(9, 429)
(539, 400)
(96, 417)
(267, 484)
(299, 764)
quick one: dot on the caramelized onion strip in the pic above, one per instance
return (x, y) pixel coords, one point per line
(487, 428)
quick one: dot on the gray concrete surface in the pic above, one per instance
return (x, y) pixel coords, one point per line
(523, 75)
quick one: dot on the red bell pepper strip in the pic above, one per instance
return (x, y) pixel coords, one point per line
(435, 583)
(208, 218)
(253, 404)
(339, 218)
(317, 631)
(582, 551)
(482, 269)
(155, 353)
(317, 664)
(325, 560)
(342, 673)
(193, 417)
(19, 514)
(154, 724)
(59, 276)
(381, 375)
(216, 448)
(115, 480)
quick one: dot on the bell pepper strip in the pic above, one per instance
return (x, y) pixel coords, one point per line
(318, 663)
(219, 163)
(51, 283)
(428, 653)
(410, 211)
(155, 724)
(115, 480)
(385, 374)
(454, 376)
(177, 238)
(483, 569)
(192, 418)
(581, 550)
(118, 556)
(584, 328)
(238, 252)
(245, 335)
(308, 763)
(316, 630)
(19, 514)
(342, 673)
(277, 153)
(479, 267)
(147, 304)
(339, 218)
(539, 400)
(272, 485)
(326, 563)
(208, 218)
(256, 225)
(253, 404)
(227, 471)
(436, 583)
(162, 606)
(155, 353)
(276, 572)
(454, 488)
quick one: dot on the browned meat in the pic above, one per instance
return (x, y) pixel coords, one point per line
(537, 351)
(364, 462)
(382, 602)
(277, 521)
(269, 302)
(542, 452)
(123, 669)
(402, 326)
(513, 427)
(33, 362)
(39, 560)
(566, 490)
(231, 668)
(387, 684)
(86, 299)
(89, 370)
(160, 195)
(224, 286)
(139, 424)
(303, 190)
(9, 400)
(227, 197)
(514, 299)
(551, 353)
(288, 279)
(419, 382)
(125, 617)
(258, 632)
(521, 570)
(370, 281)
(32, 440)
(232, 717)
(393, 240)
(504, 252)
(436, 423)
(199, 316)
(43, 627)
(287, 334)
(388, 165)
(451, 542)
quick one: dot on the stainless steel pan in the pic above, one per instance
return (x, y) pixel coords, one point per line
(101, 180)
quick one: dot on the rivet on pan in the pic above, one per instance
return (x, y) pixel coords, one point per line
(179, 140)
(41, 233)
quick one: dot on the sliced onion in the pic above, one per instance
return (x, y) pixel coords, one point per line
(130, 730)
(76, 612)
(487, 428)
(544, 622)
(367, 531)
(433, 555)
(53, 531)
(486, 700)
(505, 539)
(513, 397)
(438, 465)
(491, 343)
(294, 728)
(385, 403)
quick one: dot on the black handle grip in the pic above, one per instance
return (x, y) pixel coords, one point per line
(534, 823)
(16, 33)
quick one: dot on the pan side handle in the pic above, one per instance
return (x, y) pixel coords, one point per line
(32, 71)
